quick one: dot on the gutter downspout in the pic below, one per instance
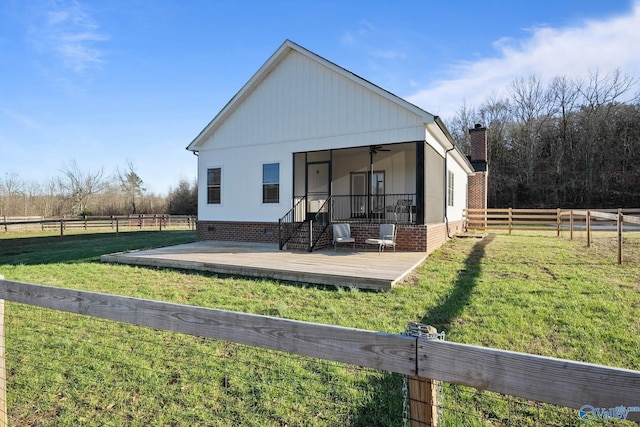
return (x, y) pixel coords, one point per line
(444, 130)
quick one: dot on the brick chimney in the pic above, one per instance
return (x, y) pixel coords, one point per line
(478, 182)
(479, 147)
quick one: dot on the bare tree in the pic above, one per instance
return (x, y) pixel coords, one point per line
(11, 190)
(78, 186)
(131, 185)
(601, 97)
(531, 109)
(464, 120)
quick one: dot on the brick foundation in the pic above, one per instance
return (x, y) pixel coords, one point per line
(411, 238)
(260, 232)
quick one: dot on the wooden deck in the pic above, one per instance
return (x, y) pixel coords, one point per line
(344, 267)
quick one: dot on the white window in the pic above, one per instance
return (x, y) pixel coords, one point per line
(450, 188)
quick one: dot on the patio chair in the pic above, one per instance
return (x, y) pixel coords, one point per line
(342, 234)
(386, 237)
(404, 206)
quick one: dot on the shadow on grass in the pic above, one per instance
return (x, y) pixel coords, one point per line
(451, 305)
(85, 247)
(385, 405)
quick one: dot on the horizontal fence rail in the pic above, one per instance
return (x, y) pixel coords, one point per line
(542, 219)
(115, 223)
(557, 220)
(544, 379)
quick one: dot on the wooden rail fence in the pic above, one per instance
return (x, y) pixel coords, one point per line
(543, 379)
(557, 220)
(115, 223)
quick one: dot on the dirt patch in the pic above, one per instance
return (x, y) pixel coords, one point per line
(549, 272)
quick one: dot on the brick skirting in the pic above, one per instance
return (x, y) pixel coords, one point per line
(412, 238)
(233, 231)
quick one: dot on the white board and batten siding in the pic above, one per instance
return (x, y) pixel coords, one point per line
(295, 103)
(304, 101)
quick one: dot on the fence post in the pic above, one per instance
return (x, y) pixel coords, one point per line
(6, 228)
(423, 393)
(571, 224)
(3, 370)
(588, 225)
(117, 227)
(61, 227)
(558, 221)
(510, 219)
(620, 221)
(161, 216)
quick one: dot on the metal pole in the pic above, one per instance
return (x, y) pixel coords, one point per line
(588, 224)
(620, 221)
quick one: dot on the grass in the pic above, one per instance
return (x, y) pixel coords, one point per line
(532, 292)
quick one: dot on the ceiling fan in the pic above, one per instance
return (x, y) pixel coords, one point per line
(374, 149)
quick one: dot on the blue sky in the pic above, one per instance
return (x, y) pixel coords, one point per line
(110, 82)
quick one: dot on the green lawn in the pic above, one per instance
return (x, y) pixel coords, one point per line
(527, 292)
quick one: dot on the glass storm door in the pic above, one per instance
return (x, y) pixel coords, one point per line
(317, 187)
(359, 194)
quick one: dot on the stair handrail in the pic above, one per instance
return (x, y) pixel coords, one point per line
(323, 220)
(289, 218)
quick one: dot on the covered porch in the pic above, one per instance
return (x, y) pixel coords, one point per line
(399, 183)
(372, 184)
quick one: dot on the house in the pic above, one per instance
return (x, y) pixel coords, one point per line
(306, 143)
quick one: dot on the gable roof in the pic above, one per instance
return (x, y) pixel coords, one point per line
(283, 51)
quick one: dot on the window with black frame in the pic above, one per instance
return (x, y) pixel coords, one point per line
(214, 186)
(271, 183)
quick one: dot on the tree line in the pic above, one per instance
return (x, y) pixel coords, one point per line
(77, 192)
(564, 143)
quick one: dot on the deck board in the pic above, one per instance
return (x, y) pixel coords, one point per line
(344, 267)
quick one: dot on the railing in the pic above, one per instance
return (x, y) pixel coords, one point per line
(114, 223)
(509, 219)
(542, 379)
(606, 220)
(320, 221)
(291, 221)
(556, 220)
(396, 208)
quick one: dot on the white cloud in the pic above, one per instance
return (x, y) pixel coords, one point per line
(20, 118)
(572, 52)
(71, 33)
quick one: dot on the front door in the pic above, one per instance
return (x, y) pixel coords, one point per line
(318, 185)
